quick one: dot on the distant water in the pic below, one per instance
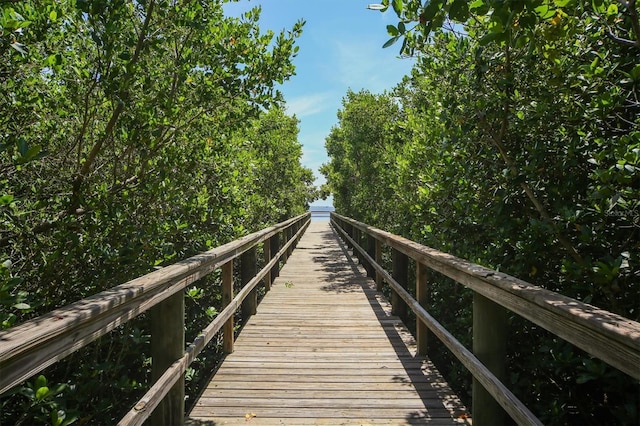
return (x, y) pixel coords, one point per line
(320, 213)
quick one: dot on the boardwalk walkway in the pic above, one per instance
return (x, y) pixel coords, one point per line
(324, 349)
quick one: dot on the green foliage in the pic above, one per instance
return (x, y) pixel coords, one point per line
(513, 144)
(41, 402)
(133, 134)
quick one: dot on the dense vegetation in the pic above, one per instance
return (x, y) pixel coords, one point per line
(132, 134)
(515, 143)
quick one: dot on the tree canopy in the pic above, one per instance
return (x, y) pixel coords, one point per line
(515, 143)
(132, 134)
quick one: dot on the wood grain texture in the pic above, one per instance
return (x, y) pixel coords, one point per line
(324, 348)
(605, 335)
(34, 345)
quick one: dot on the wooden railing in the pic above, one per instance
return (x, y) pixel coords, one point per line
(607, 336)
(34, 345)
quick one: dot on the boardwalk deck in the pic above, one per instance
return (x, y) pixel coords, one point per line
(324, 349)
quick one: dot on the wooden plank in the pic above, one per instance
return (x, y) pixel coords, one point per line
(401, 415)
(603, 334)
(323, 348)
(511, 404)
(328, 420)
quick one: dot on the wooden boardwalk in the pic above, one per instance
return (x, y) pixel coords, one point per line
(324, 349)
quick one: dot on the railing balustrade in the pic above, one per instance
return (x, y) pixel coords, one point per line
(605, 335)
(30, 347)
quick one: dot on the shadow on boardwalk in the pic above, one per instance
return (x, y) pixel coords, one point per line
(324, 348)
(350, 277)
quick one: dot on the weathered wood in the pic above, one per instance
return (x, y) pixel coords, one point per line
(30, 347)
(490, 347)
(167, 346)
(512, 405)
(227, 297)
(371, 249)
(605, 335)
(248, 269)
(266, 250)
(401, 275)
(285, 238)
(292, 231)
(378, 258)
(298, 358)
(274, 241)
(422, 296)
(141, 411)
(357, 239)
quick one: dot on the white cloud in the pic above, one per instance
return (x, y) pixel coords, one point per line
(363, 64)
(308, 105)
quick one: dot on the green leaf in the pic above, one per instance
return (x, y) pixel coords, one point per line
(42, 393)
(6, 199)
(459, 11)
(635, 73)
(22, 306)
(491, 37)
(397, 7)
(545, 12)
(393, 31)
(41, 381)
(431, 10)
(53, 15)
(479, 7)
(390, 42)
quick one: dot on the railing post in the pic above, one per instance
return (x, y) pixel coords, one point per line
(167, 345)
(400, 274)
(248, 270)
(356, 238)
(266, 250)
(275, 248)
(371, 251)
(348, 228)
(285, 238)
(379, 280)
(227, 297)
(489, 346)
(422, 296)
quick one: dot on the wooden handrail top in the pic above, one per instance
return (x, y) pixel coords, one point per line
(603, 334)
(140, 412)
(32, 346)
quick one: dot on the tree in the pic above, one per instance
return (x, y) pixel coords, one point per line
(519, 150)
(122, 151)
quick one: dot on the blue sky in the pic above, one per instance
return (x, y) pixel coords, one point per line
(340, 49)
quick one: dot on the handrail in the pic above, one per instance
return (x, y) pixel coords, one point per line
(605, 335)
(34, 345)
(140, 412)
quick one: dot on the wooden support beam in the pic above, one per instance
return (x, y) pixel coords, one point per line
(227, 297)
(290, 235)
(378, 257)
(422, 296)
(371, 250)
(248, 270)
(275, 248)
(167, 346)
(266, 250)
(400, 274)
(490, 347)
